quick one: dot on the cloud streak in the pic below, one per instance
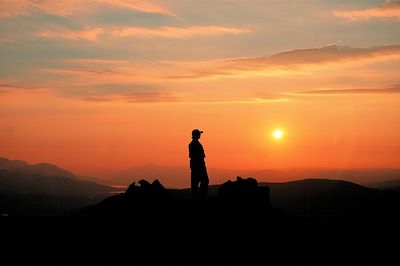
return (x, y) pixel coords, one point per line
(95, 34)
(13, 8)
(88, 34)
(8, 87)
(390, 10)
(328, 54)
(391, 89)
(101, 80)
(295, 62)
(92, 72)
(135, 97)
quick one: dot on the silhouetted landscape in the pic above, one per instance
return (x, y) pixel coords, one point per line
(50, 216)
(173, 175)
(44, 189)
(183, 132)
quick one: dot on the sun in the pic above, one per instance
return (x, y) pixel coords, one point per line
(278, 134)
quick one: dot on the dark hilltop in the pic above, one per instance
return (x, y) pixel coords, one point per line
(238, 223)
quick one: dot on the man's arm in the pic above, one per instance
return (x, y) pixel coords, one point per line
(190, 151)
(196, 151)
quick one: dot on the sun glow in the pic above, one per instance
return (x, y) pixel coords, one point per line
(278, 134)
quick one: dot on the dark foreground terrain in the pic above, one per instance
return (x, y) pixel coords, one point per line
(146, 225)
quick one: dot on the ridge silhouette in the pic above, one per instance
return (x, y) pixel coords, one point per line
(148, 224)
(240, 221)
(242, 195)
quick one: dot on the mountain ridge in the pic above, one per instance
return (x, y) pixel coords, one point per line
(176, 176)
(321, 197)
(44, 169)
(24, 193)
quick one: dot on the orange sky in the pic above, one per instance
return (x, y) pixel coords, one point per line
(101, 139)
(98, 92)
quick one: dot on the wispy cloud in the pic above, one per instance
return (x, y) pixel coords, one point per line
(101, 92)
(135, 97)
(8, 86)
(6, 40)
(176, 32)
(99, 80)
(13, 84)
(88, 34)
(389, 10)
(331, 53)
(294, 62)
(12, 8)
(92, 72)
(391, 89)
(102, 80)
(95, 34)
(147, 6)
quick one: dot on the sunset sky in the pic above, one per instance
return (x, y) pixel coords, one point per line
(99, 86)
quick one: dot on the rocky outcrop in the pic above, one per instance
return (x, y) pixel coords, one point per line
(147, 197)
(148, 193)
(153, 198)
(244, 192)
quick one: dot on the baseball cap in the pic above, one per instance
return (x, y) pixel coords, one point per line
(196, 131)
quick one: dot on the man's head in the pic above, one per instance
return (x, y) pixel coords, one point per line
(196, 134)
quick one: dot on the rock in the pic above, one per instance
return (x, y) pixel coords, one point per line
(148, 193)
(245, 193)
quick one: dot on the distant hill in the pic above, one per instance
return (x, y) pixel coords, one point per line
(387, 184)
(362, 176)
(331, 197)
(178, 176)
(33, 194)
(49, 188)
(145, 225)
(43, 169)
(321, 197)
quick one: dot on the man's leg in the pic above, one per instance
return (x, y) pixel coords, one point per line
(204, 184)
(194, 184)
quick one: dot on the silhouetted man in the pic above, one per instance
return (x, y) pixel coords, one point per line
(198, 166)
